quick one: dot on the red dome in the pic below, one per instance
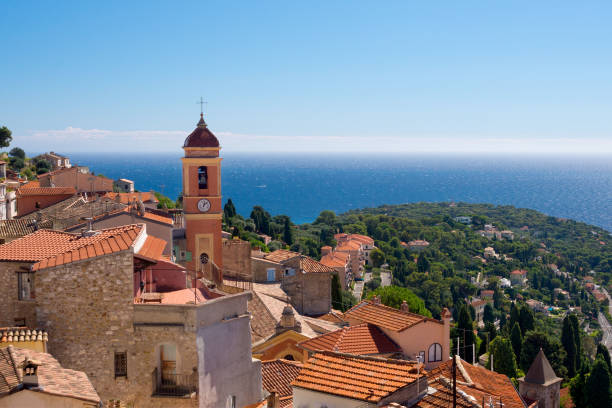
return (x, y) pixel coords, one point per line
(201, 136)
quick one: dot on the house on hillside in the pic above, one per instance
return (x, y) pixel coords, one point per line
(340, 262)
(416, 335)
(123, 185)
(518, 277)
(77, 177)
(57, 161)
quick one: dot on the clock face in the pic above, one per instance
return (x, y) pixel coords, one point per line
(203, 205)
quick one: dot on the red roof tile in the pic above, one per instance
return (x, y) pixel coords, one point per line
(357, 377)
(152, 248)
(36, 191)
(362, 339)
(277, 376)
(127, 198)
(201, 136)
(47, 248)
(384, 316)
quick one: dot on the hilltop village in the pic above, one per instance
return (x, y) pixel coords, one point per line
(111, 298)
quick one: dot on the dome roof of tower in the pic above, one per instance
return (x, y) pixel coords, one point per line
(201, 136)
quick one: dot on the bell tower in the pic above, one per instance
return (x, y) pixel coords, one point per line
(202, 201)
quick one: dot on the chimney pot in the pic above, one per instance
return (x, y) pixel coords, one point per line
(404, 307)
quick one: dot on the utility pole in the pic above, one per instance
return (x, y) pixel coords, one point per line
(454, 381)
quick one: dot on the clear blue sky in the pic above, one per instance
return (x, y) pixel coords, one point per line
(312, 75)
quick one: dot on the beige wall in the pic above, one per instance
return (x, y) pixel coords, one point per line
(11, 307)
(259, 269)
(237, 257)
(303, 398)
(33, 399)
(310, 293)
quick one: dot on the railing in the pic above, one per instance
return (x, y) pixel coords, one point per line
(174, 385)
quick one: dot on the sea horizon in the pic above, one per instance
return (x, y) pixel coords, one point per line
(301, 185)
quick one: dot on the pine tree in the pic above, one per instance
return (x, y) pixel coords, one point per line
(598, 386)
(526, 319)
(287, 235)
(488, 315)
(504, 361)
(422, 263)
(578, 388)
(514, 315)
(516, 338)
(576, 327)
(466, 333)
(229, 210)
(336, 292)
(605, 355)
(569, 344)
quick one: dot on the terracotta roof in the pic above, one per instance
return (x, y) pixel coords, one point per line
(418, 242)
(16, 334)
(20, 227)
(36, 191)
(474, 382)
(201, 136)
(362, 339)
(152, 248)
(31, 184)
(52, 378)
(349, 246)
(334, 316)
(187, 296)
(307, 265)
(332, 261)
(47, 248)
(276, 375)
(356, 377)
(146, 216)
(127, 198)
(362, 238)
(384, 316)
(281, 255)
(518, 272)
(263, 323)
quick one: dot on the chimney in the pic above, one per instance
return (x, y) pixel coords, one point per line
(326, 250)
(288, 321)
(90, 232)
(30, 373)
(376, 300)
(273, 400)
(404, 307)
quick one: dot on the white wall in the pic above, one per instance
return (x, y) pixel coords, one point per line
(225, 364)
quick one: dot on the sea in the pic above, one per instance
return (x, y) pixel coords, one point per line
(303, 185)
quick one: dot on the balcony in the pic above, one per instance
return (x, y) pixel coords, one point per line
(174, 385)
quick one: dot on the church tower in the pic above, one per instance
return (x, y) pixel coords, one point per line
(202, 207)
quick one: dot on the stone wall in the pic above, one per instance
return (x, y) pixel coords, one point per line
(12, 310)
(236, 257)
(310, 293)
(259, 267)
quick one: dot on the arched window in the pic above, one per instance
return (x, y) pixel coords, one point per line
(202, 178)
(435, 353)
(289, 357)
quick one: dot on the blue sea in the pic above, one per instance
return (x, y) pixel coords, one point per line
(302, 185)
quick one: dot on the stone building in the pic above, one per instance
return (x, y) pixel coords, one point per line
(57, 161)
(541, 384)
(80, 289)
(124, 186)
(77, 177)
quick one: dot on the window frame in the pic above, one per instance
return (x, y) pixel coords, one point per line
(203, 170)
(21, 284)
(437, 353)
(120, 364)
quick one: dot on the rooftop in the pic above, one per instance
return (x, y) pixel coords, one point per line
(19, 227)
(368, 311)
(357, 377)
(48, 248)
(362, 339)
(201, 136)
(127, 198)
(307, 265)
(52, 378)
(278, 374)
(540, 371)
(37, 191)
(17, 334)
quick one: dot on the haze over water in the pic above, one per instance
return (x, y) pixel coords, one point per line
(301, 186)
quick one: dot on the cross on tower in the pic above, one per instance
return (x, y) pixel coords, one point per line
(201, 103)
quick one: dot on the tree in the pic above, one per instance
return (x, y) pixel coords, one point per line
(466, 329)
(422, 263)
(393, 296)
(516, 338)
(378, 257)
(514, 315)
(526, 319)
(16, 163)
(578, 389)
(262, 219)
(228, 209)
(533, 341)
(504, 361)
(287, 234)
(488, 315)
(5, 136)
(576, 328)
(17, 152)
(326, 217)
(598, 385)
(569, 344)
(336, 292)
(603, 352)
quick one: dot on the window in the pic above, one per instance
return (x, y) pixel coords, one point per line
(20, 322)
(25, 285)
(289, 272)
(422, 356)
(435, 352)
(202, 178)
(120, 364)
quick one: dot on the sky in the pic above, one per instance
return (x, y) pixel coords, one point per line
(317, 76)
